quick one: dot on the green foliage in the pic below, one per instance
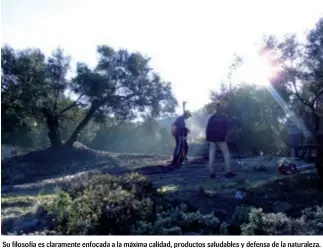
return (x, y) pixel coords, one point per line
(130, 204)
(62, 205)
(298, 86)
(241, 215)
(301, 73)
(177, 220)
(310, 223)
(27, 67)
(123, 83)
(258, 113)
(34, 89)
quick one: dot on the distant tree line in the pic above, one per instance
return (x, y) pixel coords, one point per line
(37, 108)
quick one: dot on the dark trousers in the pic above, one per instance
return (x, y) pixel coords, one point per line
(181, 143)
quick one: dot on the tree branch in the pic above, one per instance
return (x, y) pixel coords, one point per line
(317, 96)
(305, 102)
(74, 104)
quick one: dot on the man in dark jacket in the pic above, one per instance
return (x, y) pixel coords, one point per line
(180, 131)
(216, 132)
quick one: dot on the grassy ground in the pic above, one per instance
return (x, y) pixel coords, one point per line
(27, 183)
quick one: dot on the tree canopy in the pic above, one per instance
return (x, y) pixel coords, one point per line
(98, 106)
(34, 88)
(296, 88)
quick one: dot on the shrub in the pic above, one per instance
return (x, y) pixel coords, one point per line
(103, 204)
(241, 215)
(310, 223)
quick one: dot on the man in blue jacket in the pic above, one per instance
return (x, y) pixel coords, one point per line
(180, 131)
(216, 132)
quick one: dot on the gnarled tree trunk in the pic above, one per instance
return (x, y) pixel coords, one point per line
(82, 124)
(52, 122)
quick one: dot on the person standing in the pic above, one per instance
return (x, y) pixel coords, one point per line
(180, 132)
(216, 131)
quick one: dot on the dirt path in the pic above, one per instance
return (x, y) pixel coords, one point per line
(191, 176)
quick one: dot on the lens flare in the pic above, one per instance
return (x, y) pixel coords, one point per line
(258, 70)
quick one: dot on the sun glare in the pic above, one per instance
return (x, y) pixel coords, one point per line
(257, 71)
